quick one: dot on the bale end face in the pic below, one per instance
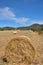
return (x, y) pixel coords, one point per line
(20, 51)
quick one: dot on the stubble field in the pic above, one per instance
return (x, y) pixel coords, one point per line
(36, 39)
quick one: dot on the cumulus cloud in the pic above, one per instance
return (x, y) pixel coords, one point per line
(7, 14)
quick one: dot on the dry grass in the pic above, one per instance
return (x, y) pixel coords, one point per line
(37, 42)
(20, 50)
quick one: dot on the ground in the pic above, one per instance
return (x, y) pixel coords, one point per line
(36, 39)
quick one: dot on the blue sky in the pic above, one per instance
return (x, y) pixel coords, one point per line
(15, 13)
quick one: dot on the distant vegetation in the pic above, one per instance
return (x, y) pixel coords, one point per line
(34, 27)
(7, 28)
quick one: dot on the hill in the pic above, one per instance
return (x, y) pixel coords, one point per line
(34, 27)
(7, 28)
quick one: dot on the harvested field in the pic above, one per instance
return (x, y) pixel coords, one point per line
(6, 40)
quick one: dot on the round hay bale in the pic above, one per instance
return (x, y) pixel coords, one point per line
(14, 32)
(20, 51)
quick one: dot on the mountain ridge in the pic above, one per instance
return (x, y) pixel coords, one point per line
(33, 26)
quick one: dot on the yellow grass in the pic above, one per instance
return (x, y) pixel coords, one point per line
(20, 50)
(36, 40)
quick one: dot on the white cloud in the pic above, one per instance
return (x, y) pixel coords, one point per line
(6, 13)
(22, 20)
(37, 21)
